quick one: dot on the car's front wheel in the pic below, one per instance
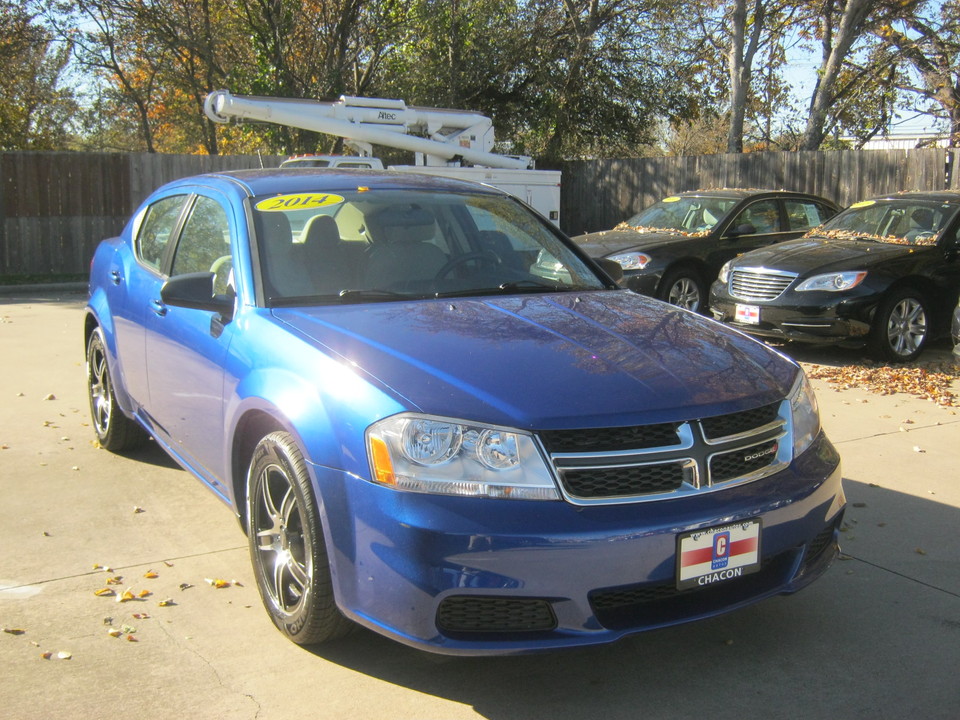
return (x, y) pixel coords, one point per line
(115, 431)
(286, 544)
(900, 327)
(684, 288)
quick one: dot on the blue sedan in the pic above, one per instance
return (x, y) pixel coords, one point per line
(423, 433)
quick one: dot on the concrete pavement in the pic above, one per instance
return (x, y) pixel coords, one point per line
(877, 637)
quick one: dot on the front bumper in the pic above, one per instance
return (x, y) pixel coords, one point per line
(824, 318)
(482, 576)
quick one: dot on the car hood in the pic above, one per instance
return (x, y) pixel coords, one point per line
(813, 253)
(601, 244)
(550, 361)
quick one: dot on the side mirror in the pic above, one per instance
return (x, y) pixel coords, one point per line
(611, 268)
(195, 291)
(742, 229)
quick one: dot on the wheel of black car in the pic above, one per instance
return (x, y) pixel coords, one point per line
(286, 544)
(115, 431)
(900, 327)
(685, 288)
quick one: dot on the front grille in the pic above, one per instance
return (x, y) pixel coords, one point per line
(660, 461)
(610, 439)
(479, 614)
(623, 481)
(736, 423)
(759, 283)
(726, 466)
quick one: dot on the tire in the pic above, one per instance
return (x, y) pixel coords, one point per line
(684, 288)
(286, 544)
(900, 327)
(115, 431)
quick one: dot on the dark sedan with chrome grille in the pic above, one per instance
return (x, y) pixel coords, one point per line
(884, 273)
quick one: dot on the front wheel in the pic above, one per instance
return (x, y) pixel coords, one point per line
(286, 544)
(115, 431)
(900, 328)
(684, 288)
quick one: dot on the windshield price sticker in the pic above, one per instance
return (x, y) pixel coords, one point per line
(711, 556)
(748, 314)
(298, 201)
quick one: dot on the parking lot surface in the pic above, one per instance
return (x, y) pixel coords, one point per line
(877, 637)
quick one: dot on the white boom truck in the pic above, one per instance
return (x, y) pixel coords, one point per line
(445, 142)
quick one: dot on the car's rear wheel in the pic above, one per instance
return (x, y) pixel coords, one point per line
(900, 327)
(115, 431)
(286, 544)
(684, 288)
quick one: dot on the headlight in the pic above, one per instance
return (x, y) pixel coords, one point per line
(724, 272)
(631, 260)
(833, 282)
(421, 453)
(805, 414)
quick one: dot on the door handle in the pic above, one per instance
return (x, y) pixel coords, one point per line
(158, 307)
(115, 277)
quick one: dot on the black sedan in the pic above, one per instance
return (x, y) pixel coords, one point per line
(674, 249)
(884, 273)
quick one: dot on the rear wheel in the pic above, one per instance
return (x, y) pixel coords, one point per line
(286, 544)
(900, 327)
(115, 431)
(684, 288)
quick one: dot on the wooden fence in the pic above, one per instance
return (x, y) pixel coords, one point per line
(598, 194)
(56, 207)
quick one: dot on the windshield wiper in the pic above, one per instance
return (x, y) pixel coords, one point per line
(507, 288)
(373, 295)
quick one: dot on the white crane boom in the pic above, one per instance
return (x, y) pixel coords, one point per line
(444, 137)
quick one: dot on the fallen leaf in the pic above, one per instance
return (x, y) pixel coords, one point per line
(126, 595)
(918, 449)
(166, 603)
(138, 509)
(115, 580)
(51, 396)
(141, 616)
(14, 631)
(168, 563)
(920, 551)
(64, 655)
(46, 655)
(150, 574)
(185, 586)
(104, 592)
(113, 632)
(217, 582)
(131, 638)
(144, 593)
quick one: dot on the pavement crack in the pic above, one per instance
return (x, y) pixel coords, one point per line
(904, 576)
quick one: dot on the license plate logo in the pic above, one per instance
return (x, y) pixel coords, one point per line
(748, 314)
(713, 555)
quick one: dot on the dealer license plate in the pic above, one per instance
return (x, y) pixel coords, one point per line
(711, 556)
(748, 314)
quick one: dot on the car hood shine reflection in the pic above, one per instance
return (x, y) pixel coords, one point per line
(536, 361)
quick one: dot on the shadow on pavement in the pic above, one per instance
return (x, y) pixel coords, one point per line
(878, 636)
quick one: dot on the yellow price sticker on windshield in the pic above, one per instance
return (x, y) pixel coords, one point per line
(672, 198)
(298, 201)
(863, 203)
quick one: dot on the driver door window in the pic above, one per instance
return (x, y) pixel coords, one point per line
(205, 243)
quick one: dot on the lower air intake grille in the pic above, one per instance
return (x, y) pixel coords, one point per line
(474, 614)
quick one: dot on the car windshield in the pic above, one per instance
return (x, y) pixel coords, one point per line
(371, 245)
(901, 221)
(686, 215)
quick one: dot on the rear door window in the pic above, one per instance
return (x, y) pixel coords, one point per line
(157, 228)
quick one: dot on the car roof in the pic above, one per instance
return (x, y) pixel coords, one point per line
(269, 181)
(937, 196)
(740, 193)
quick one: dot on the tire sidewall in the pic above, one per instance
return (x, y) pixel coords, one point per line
(279, 449)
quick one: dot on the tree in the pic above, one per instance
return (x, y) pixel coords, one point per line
(35, 111)
(931, 47)
(839, 26)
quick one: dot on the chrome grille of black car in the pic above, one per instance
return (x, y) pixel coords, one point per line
(759, 283)
(597, 466)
